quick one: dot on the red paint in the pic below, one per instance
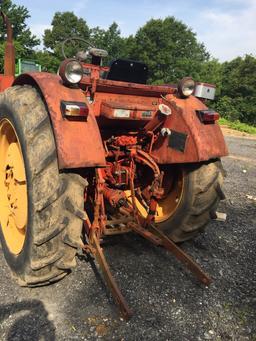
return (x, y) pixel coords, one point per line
(79, 143)
(5, 82)
(204, 142)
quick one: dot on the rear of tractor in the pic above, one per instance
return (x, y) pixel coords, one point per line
(94, 152)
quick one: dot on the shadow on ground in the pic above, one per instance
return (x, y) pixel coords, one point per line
(27, 320)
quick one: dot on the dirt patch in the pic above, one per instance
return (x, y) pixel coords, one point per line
(236, 133)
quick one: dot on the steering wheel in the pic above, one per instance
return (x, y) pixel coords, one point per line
(73, 41)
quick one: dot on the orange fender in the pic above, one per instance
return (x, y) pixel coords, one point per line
(203, 141)
(79, 143)
(5, 82)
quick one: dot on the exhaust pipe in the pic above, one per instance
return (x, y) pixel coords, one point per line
(9, 55)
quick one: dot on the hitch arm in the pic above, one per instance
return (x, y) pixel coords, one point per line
(158, 238)
(116, 293)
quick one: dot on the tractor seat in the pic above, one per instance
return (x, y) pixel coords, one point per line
(130, 71)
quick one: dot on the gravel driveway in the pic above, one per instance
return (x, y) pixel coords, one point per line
(167, 301)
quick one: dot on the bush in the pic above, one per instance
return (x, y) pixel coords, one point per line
(239, 89)
(237, 125)
(227, 109)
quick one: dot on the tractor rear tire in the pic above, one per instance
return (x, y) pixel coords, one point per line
(202, 192)
(53, 229)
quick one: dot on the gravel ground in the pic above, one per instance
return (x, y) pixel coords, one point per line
(168, 302)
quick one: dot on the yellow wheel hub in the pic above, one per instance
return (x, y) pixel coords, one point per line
(168, 205)
(13, 189)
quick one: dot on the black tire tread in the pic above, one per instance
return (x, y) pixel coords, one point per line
(51, 257)
(206, 182)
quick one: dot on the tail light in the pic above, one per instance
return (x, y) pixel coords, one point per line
(208, 116)
(74, 110)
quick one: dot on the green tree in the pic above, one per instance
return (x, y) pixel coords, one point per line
(47, 60)
(211, 72)
(109, 40)
(65, 25)
(169, 48)
(24, 40)
(239, 84)
(226, 107)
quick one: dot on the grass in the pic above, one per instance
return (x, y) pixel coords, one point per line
(237, 125)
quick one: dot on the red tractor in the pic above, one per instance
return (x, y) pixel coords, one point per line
(95, 151)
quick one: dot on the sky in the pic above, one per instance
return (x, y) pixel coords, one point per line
(226, 27)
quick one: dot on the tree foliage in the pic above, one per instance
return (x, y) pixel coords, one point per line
(239, 85)
(227, 108)
(48, 61)
(169, 48)
(24, 40)
(65, 25)
(211, 72)
(109, 40)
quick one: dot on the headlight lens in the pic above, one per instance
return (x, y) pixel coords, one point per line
(71, 71)
(186, 87)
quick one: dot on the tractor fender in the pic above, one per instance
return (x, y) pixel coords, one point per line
(78, 143)
(190, 139)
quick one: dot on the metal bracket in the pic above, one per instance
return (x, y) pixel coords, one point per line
(146, 229)
(95, 249)
(160, 239)
(157, 238)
